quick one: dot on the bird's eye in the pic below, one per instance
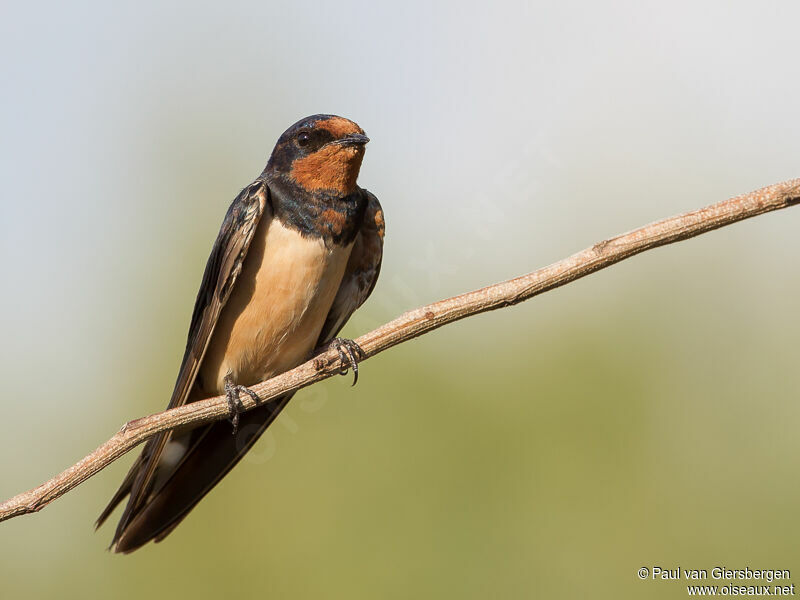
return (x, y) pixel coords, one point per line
(303, 138)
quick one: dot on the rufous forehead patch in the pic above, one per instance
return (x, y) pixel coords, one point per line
(339, 127)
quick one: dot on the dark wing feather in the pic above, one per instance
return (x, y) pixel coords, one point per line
(222, 269)
(212, 451)
(361, 273)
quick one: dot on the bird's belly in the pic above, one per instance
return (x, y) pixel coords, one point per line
(277, 308)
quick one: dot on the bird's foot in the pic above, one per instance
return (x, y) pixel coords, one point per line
(349, 353)
(235, 406)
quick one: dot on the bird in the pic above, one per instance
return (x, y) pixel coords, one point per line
(299, 250)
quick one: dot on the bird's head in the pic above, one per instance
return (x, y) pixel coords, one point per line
(321, 153)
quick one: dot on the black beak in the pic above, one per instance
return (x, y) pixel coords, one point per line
(354, 139)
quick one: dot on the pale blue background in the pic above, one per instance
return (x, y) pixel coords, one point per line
(646, 415)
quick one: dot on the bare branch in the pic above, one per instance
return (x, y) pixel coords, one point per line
(415, 323)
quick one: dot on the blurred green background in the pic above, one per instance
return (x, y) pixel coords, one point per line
(644, 416)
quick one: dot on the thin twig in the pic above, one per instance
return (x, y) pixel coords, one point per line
(415, 323)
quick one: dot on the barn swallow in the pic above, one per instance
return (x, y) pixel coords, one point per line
(299, 250)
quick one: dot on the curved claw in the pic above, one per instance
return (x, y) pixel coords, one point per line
(235, 406)
(349, 353)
